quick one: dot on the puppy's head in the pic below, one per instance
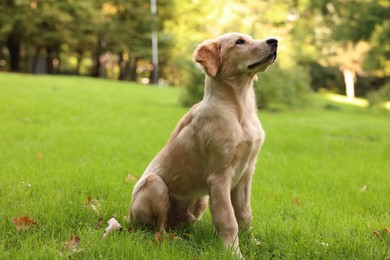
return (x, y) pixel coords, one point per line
(235, 54)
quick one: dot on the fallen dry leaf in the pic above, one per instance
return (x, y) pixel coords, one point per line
(296, 201)
(86, 204)
(93, 204)
(26, 120)
(99, 224)
(113, 225)
(272, 194)
(386, 230)
(127, 219)
(377, 234)
(161, 236)
(38, 156)
(26, 184)
(130, 178)
(324, 244)
(23, 223)
(95, 209)
(158, 237)
(72, 243)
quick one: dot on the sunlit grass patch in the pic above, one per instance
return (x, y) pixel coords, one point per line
(360, 102)
(72, 149)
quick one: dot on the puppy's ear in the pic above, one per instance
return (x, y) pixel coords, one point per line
(208, 55)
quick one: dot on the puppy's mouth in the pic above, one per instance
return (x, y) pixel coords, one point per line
(268, 59)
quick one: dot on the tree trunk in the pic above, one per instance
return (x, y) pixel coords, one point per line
(34, 64)
(97, 66)
(58, 65)
(79, 59)
(98, 53)
(122, 66)
(152, 77)
(349, 80)
(49, 60)
(133, 68)
(13, 45)
(126, 71)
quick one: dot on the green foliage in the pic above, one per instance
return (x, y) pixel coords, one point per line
(276, 86)
(379, 97)
(378, 58)
(320, 190)
(283, 87)
(62, 30)
(326, 77)
(353, 36)
(262, 20)
(78, 35)
(193, 86)
(331, 79)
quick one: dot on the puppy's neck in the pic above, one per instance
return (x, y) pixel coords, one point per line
(238, 95)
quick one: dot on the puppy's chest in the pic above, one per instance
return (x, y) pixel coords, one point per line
(246, 150)
(249, 144)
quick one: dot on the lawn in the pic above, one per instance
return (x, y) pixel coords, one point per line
(71, 147)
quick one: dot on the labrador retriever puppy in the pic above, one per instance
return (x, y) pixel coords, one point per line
(211, 155)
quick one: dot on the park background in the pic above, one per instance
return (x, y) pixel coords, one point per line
(337, 46)
(84, 108)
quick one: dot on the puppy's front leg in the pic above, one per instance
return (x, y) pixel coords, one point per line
(222, 211)
(240, 196)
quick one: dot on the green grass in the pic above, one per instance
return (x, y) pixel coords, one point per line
(321, 187)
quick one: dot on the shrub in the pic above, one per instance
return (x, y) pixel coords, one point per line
(385, 92)
(276, 86)
(326, 78)
(379, 97)
(194, 87)
(331, 78)
(367, 84)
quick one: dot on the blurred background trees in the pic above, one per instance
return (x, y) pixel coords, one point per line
(341, 46)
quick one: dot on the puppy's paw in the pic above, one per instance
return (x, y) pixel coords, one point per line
(161, 236)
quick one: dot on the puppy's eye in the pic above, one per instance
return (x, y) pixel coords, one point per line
(240, 41)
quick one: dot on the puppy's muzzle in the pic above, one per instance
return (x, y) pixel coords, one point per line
(274, 45)
(273, 42)
(271, 57)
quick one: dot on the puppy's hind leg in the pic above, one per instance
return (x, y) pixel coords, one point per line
(150, 202)
(199, 206)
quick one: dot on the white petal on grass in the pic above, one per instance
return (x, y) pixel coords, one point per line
(113, 225)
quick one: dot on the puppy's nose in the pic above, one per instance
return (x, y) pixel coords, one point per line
(272, 41)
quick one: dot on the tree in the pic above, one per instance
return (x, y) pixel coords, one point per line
(16, 21)
(126, 32)
(86, 19)
(51, 31)
(261, 19)
(130, 35)
(41, 28)
(348, 28)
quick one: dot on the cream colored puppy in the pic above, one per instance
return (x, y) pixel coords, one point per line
(212, 152)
